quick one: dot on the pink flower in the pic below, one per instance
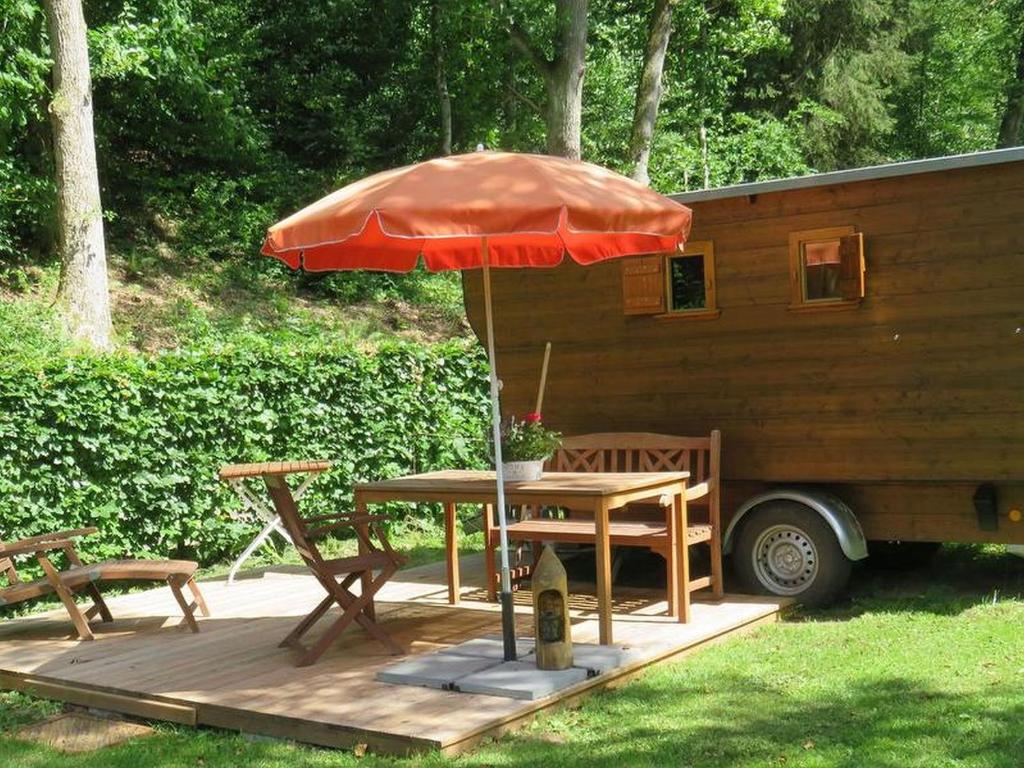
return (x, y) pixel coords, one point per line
(532, 417)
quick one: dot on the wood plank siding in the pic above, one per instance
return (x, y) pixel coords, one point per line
(922, 382)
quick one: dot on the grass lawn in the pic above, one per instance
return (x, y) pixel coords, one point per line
(919, 669)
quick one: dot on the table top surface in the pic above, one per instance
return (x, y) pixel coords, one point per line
(473, 482)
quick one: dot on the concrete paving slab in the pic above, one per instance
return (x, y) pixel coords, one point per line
(519, 680)
(601, 658)
(434, 670)
(490, 647)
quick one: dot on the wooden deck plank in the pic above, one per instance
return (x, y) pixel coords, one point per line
(233, 675)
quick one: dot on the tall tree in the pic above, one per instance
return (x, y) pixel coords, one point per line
(1013, 114)
(441, 79)
(83, 279)
(563, 73)
(648, 93)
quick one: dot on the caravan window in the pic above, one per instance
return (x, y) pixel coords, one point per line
(690, 279)
(826, 268)
(819, 260)
(686, 287)
(671, 285)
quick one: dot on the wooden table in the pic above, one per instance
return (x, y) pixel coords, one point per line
(597, 492)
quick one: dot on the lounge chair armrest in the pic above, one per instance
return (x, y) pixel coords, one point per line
(55, 536)
(48, 541)
(38, 547)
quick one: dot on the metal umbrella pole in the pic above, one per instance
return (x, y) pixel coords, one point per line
(508, 621)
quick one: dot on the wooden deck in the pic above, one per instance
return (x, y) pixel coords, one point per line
(233, 675)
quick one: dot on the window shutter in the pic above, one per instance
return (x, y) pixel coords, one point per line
(643, 285)
(851, 266)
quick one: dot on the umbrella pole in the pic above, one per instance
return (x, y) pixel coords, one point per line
(508, 621)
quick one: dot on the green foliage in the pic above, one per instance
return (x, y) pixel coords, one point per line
(26, 193)
(951, 102)
(131, 444)
(233, 113)
(222, 116)
(527, 439)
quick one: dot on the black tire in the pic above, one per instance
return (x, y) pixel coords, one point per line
(800, 556)
(901, 555)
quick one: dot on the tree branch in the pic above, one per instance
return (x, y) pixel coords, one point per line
(526, 100)
(521, 39)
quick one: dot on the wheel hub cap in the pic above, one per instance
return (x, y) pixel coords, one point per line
(785, 560)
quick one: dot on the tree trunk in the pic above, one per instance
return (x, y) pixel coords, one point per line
(83, 289)
(441, 78)
(1013, 115)
(563, 115)
(648, 92)
(563, 76)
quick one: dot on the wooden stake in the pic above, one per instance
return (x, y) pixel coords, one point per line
(543, 378)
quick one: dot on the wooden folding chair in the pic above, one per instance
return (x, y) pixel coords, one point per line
(178, 574)
(336, 575)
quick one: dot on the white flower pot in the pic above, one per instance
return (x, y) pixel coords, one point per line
(520, 471)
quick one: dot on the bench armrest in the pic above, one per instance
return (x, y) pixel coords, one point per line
(698, 491)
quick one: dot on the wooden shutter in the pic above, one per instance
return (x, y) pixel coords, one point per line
(643, 285)
(851, 266)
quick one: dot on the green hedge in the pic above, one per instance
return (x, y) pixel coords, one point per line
(131, 444)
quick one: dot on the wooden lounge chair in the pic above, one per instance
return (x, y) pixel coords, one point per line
(335, 575)
(86, 578)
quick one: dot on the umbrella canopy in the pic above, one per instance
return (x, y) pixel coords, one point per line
(532, 209)
(481, 210)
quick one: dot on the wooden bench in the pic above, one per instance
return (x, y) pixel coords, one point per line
(645, 524)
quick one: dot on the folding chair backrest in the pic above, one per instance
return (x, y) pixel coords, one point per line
(284, 503)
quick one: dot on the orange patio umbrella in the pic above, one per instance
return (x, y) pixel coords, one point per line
(481, 210)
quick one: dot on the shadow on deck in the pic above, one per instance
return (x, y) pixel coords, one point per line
(232, 675)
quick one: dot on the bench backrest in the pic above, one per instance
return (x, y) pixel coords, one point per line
(649, 452)
(641, 452)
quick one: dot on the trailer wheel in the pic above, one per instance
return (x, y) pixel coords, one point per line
(785, 548)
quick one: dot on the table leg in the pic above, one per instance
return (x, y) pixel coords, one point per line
(604, 575)
(683, 587)
(672, 560)
(261, 537)
(490, 567)
(366, 580)
(451, 551)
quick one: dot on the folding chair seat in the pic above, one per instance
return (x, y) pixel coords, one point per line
(371, 560)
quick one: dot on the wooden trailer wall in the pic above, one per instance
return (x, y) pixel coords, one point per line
(906, 403)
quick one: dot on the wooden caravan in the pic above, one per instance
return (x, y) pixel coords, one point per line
(858, 338)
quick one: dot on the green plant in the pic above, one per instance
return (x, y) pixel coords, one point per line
(528, 439)
(131, 443)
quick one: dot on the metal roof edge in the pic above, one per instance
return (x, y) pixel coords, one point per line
(868, 173)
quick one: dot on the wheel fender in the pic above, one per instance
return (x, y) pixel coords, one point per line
(832, 509)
